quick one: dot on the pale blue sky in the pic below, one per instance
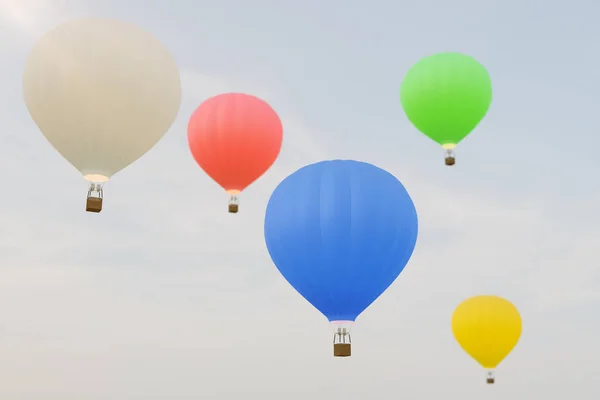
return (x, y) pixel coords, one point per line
(166, 296)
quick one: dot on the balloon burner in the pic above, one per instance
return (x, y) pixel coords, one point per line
(342, 343)
(450, 159)
(233, 205)
(94, 198)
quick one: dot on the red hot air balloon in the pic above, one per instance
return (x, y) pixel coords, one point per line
(235, 138)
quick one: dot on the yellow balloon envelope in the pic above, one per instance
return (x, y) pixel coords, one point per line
(487, 328)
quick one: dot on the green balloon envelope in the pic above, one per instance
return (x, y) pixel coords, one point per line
(446, 95)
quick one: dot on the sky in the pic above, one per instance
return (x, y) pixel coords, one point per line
(164, 295)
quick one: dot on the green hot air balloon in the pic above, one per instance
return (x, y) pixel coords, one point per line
(445, 96)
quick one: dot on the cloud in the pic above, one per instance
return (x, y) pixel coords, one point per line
(163, 198)
(166, 295)
(32, 18)
(164, 286)
(480, 243)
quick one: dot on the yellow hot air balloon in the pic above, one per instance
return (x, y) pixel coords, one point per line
(487, 328)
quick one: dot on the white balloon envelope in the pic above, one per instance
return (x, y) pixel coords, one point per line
(103, 92)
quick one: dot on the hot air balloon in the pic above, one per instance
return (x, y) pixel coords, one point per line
(445, 96)
(103, 92)
(487, 328)
(340, 232)
(235, 138)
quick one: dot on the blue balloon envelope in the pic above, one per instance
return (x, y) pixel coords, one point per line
(340, 232)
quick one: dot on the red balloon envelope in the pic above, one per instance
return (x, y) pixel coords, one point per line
(235, 138)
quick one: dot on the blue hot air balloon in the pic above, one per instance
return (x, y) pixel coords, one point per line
(340, 232)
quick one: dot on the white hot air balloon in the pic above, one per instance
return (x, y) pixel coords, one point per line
(103, 92)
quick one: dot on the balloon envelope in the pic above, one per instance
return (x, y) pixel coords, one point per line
(235, 138)
(487, 328)
(340, 232)
(103, 92)
(446, 95)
